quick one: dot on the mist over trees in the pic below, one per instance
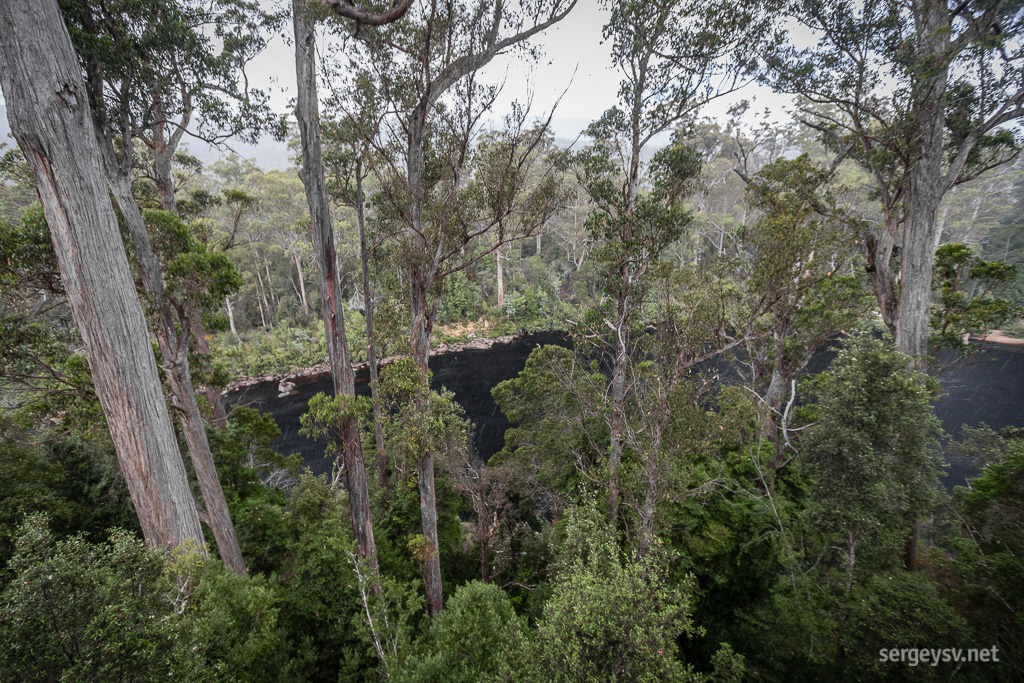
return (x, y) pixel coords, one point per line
(678, 497)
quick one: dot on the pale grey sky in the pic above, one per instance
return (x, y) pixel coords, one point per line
(575, 62)
(573, 46)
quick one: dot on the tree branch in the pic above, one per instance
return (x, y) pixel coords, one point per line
(346, 9)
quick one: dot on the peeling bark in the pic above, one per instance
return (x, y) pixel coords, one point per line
(312, 175)
(52, 121)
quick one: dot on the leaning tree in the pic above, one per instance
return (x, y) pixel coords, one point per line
(307, 111)
(48, 107)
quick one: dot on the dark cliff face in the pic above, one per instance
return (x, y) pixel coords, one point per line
(470, 374)
(989, 389)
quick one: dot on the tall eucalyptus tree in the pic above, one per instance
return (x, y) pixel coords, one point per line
(161, 72)
(49, 109)
(307, 111)
(921, 92)
(674, 56)
(153, 81)
(426, 68)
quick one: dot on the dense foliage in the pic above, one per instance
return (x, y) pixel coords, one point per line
(678, 498)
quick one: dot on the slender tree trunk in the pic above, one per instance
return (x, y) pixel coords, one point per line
(484, 528)
(421, 319)
(52, 122)
(312, 174)
(498, 257)
(420, 327)
(775, 391)
(653, 492)
(163, 178)
(259, 306)
(624, 304)
(940, 223)
(163, 147)
(302, 282)
(851, 560)
(270, 286)
(371, 339)
(617, 417)
(231, 320)
(262, 293)
(212, 393)
(219, 517)
(174, 347)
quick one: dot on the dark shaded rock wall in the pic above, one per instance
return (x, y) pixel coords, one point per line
(989, 389)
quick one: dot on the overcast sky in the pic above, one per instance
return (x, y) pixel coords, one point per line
(575, 65)
(575, 61)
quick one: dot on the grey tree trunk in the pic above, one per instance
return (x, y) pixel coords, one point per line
(212, 393)
(878, 253)
(218, 515)
(302, 282)
(421, 324)
(501, 277)
(259, 307)
(371, 339)
(270, 285)
(261, 292)
(618, 398)
(174, 347)
(231, 321)
(926, 189)
(931, 20)
(312, 174)
(162, 175)
(51, 119)
(423, 271)
(648, 507)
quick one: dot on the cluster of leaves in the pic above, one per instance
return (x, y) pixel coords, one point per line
(967, 289)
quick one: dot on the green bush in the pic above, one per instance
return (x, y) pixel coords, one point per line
(608, 619)
(471, 640)
(82, 611)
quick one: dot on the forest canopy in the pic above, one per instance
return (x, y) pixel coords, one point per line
(732, 468)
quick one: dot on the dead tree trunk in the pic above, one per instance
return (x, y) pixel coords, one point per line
(312, 174)
(302, 282)
(231, 321)
(51, 119)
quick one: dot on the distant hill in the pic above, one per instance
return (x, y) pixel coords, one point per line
(271, 154)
